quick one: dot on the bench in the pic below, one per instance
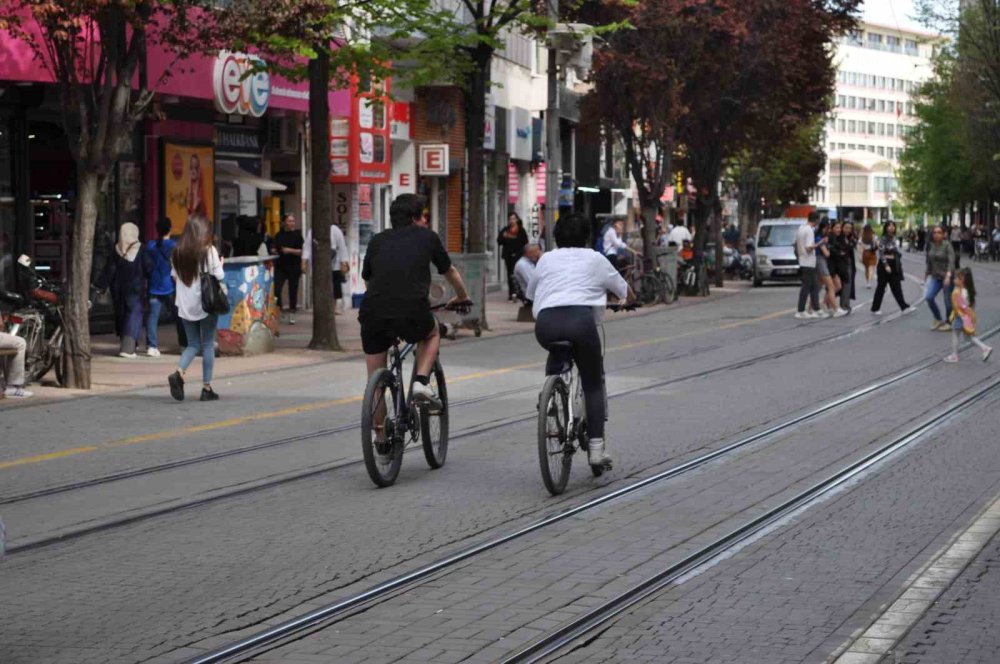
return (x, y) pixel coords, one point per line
(5, 355)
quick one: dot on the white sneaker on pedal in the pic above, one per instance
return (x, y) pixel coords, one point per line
(424, 395)
(596, 455)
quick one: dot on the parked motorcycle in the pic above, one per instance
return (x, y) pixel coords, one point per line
(37, 317)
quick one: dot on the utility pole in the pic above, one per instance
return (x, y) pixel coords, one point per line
(553, 146)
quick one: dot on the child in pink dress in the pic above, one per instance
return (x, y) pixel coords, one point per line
(963, 315)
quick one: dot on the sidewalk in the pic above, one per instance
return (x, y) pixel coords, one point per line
(110, 373)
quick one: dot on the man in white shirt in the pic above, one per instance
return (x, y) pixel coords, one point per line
(338, 262)
(805, 251)
(525, 265)
(615, 249)
(679, 234)
(15, 366)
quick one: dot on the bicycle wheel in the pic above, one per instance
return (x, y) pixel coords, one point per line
(434, 426)
(382, 439)
(669, 290)
(555, 449)
(648, 290)
(59, 357)
(37, 358)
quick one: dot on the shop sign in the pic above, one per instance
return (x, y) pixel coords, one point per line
(540, 183)
(521, 134)
(434, 159)
(238, 139)
(399, 126)
(513, 184)
(236, 91)
(490, 125)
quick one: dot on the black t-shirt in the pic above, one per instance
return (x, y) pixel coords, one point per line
(397, 269)
(291, 240)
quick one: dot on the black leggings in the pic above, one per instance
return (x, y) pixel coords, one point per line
(291, 276)
(894, 281)
(509, 262)
(578, 326)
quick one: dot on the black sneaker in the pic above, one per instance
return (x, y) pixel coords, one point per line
(208, 394)
(176, 385)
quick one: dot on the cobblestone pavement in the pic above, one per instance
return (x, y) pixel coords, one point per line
(153, 590)
(962, 625)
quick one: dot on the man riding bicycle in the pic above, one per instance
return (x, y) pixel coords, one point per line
(398, 278)
(569, 289)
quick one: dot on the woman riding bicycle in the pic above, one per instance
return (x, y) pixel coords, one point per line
(569, 289)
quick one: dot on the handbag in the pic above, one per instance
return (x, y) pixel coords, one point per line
(214, 299)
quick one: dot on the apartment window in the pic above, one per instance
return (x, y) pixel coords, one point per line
(874, 40)
(881, 105)
(852, 126)
(872, 79)
(911, 47)
(890, 130)
(881, 82)
(880, 150)
(909, 108)
(894, 44)
(871, 128)
(841, 126)
(871, 148)
(851, 146)
(881, 129)
(871, 104)
(841, 101)
(854, 38)
(900, 84)
(833, 146)
(841, 146)
(852, 102)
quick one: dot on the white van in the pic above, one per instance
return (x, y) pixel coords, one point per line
(774, 251)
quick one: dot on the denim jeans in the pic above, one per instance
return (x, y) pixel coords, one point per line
(934, 286)
(201, 337)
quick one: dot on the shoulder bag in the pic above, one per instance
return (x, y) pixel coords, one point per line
(214, 299)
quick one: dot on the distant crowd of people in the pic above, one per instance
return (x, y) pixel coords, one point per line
(827, 254)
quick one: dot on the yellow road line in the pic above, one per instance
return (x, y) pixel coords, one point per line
(321, 405)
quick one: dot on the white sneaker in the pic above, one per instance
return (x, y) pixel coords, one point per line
(868, 285)
(424, 394)
(951, 359)
(17, 392)
(596, 456)
(802, 315)
(127, 356)
(877, 312)
(815, 314)
(910, 309)
(153, 351)
(840, 313)
(291, 320)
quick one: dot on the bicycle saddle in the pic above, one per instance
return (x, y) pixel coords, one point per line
(560, 358)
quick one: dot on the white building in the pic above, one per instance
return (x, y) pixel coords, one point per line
(879, 69)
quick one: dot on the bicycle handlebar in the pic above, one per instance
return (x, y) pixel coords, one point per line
(625, 307)
(462, 307)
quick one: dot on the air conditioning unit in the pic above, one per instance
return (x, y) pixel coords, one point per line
(282, 135)
(574, 44)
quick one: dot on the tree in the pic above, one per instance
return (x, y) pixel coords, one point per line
(772, 72)
(306, 39)
(94, 50)
(639, 77)
(773, 176)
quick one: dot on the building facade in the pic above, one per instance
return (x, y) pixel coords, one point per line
(879, 69)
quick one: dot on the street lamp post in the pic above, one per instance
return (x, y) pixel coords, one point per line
(553, 145)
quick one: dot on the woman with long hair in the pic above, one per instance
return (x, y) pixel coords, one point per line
(124, 277)
(852, 243)
(840, 268)
(823, 266)
(195, 254)
(890, 269)
(941, 266)
(512, 241)
(869, 253)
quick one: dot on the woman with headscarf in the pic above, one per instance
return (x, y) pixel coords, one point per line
(124, 276)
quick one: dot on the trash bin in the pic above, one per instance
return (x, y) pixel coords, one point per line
(472, 267)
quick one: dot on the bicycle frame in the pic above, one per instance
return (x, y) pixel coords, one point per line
(396, 369)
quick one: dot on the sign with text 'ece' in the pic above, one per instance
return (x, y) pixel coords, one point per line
(434, 159)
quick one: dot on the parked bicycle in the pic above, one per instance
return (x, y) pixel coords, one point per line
(648, 287)
(389, 417)
(562, 416)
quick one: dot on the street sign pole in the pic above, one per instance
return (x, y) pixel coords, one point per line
(553, 146)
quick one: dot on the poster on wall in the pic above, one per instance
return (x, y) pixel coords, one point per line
(188, 182)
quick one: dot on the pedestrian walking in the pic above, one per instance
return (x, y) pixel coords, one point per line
(823, 267)
(160, 286)
(195, 255)
(851, 239)
(124, 276)
(287, 246)
(840, 267)
(940, 269)
(339, 265)
(869, 253)
(805, 252)
(890, 269)
(963, 315)
(956, 244)
(512, 240)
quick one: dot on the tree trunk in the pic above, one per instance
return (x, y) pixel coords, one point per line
(77, 311)
(717, 227)
(324, 335)
(650, 206)
(475, 101)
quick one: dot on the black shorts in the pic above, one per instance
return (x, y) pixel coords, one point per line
(377, 336)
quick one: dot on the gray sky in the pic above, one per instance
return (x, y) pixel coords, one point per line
(891, 13)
